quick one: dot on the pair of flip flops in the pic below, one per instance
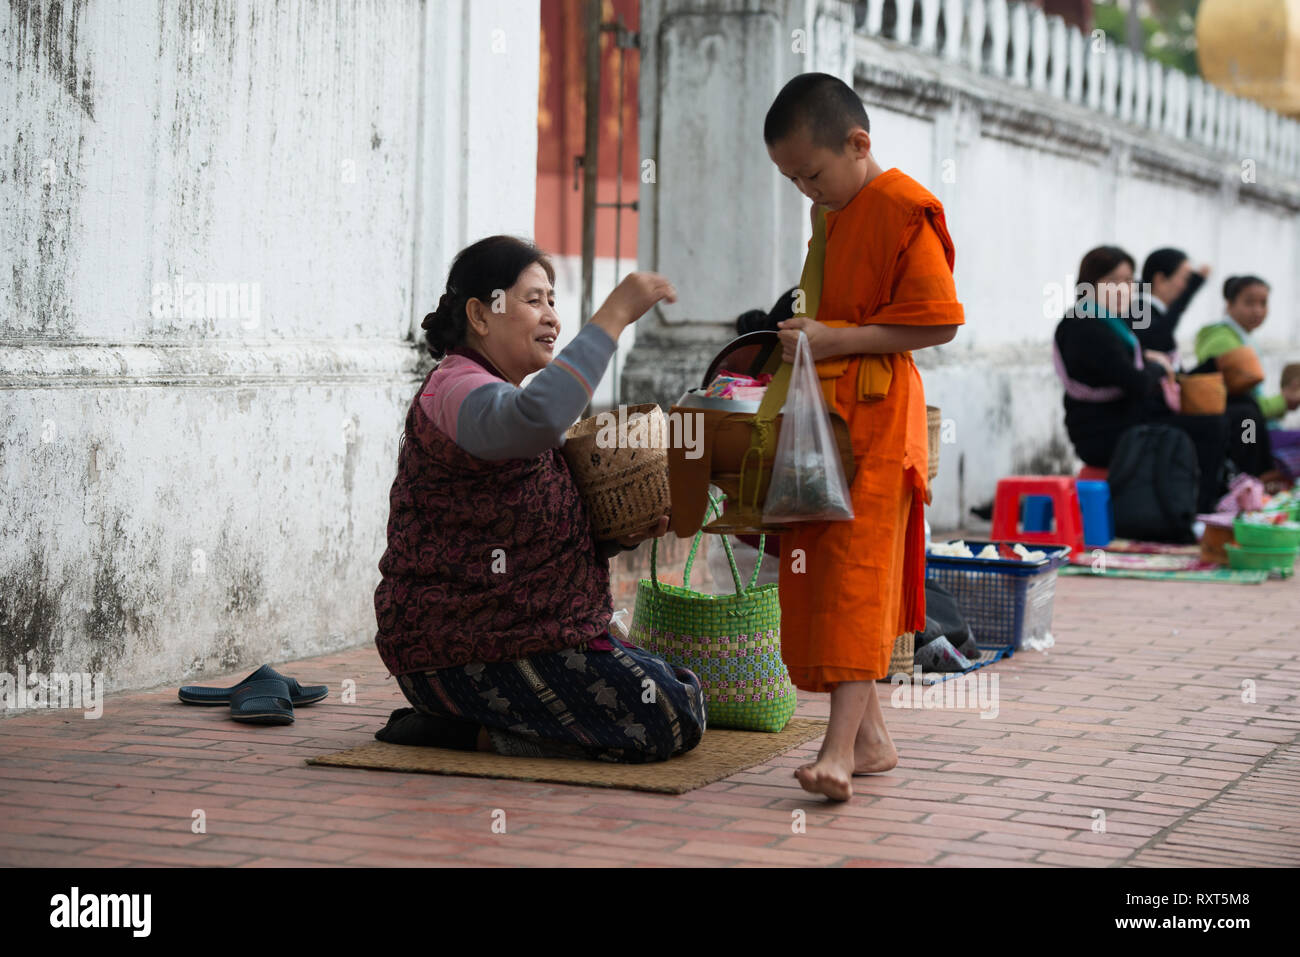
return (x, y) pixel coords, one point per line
(264, 697)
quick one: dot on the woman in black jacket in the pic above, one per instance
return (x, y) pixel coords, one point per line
(1112, 383)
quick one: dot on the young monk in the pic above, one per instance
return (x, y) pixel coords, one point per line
(885, 288)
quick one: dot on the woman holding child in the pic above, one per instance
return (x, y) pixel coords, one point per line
(494, 607)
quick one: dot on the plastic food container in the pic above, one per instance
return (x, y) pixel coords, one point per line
(1243, 556)
(1264, 535)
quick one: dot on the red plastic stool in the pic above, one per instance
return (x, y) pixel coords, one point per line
(1093, 473)
(1065, 506)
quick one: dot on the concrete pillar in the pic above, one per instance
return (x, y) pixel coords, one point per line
(478, 132)
(718, 218)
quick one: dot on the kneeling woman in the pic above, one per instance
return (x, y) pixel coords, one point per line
(494, 607)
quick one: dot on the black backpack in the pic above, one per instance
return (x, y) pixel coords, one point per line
(1153, 480)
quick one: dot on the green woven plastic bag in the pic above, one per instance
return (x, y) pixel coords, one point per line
(731, 642)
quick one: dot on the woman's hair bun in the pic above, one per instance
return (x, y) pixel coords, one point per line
(441, 313)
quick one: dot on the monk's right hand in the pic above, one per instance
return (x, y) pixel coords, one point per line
(632, 299)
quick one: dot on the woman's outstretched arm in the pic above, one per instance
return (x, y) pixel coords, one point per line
(498, 420)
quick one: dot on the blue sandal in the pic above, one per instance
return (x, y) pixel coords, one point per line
(298, 694)
(262, 702)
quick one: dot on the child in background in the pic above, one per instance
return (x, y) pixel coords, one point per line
(1286, 442)
(885, 287)
(1291, 379)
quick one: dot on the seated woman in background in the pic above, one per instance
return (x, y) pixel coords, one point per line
(1112, 384)
(1256, 443)
(494, 609)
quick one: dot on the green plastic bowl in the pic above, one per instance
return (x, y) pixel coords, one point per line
(1263, 535)
(1292, 511)
(1260, 558)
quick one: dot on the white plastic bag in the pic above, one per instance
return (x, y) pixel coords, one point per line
(808, 483)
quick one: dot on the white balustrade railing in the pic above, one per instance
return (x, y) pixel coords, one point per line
(903, 20)
(1039, 46)
(1019, 45)
(1040, 52)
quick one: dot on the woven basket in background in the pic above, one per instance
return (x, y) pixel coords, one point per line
(1241, 369)
(1203, 393)
(933, 421)
(626, 489)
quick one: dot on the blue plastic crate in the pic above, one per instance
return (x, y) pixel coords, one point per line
(1004, 600)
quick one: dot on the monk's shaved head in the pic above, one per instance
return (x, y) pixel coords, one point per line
(822, 104)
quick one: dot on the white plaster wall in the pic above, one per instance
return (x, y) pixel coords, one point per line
(192, 494)
(905, 142)
(226, 142)
(1015, 219)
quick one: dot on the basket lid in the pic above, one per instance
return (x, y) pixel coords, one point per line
(749, 354)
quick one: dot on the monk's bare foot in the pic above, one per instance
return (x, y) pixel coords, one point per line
(825, 776)
(874, 756)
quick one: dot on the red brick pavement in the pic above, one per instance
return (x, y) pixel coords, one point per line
(1136, 718)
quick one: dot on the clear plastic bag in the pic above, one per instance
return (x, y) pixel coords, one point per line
(619, 622)
(808, 483)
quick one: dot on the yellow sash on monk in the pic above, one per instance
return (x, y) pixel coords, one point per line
(876, 370)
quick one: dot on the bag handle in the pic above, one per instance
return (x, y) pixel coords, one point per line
(762, 441)
(714, 506)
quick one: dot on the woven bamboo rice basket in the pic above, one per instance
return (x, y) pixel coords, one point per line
(904, 651)
(933, 421)
(620, 465)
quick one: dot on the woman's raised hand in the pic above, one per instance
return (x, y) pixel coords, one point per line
(632, 299)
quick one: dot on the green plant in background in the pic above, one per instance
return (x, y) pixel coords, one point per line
(1168, 29)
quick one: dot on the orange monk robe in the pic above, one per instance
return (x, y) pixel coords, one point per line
(855, 586)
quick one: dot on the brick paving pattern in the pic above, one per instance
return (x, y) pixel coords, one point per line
(1167, 712)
